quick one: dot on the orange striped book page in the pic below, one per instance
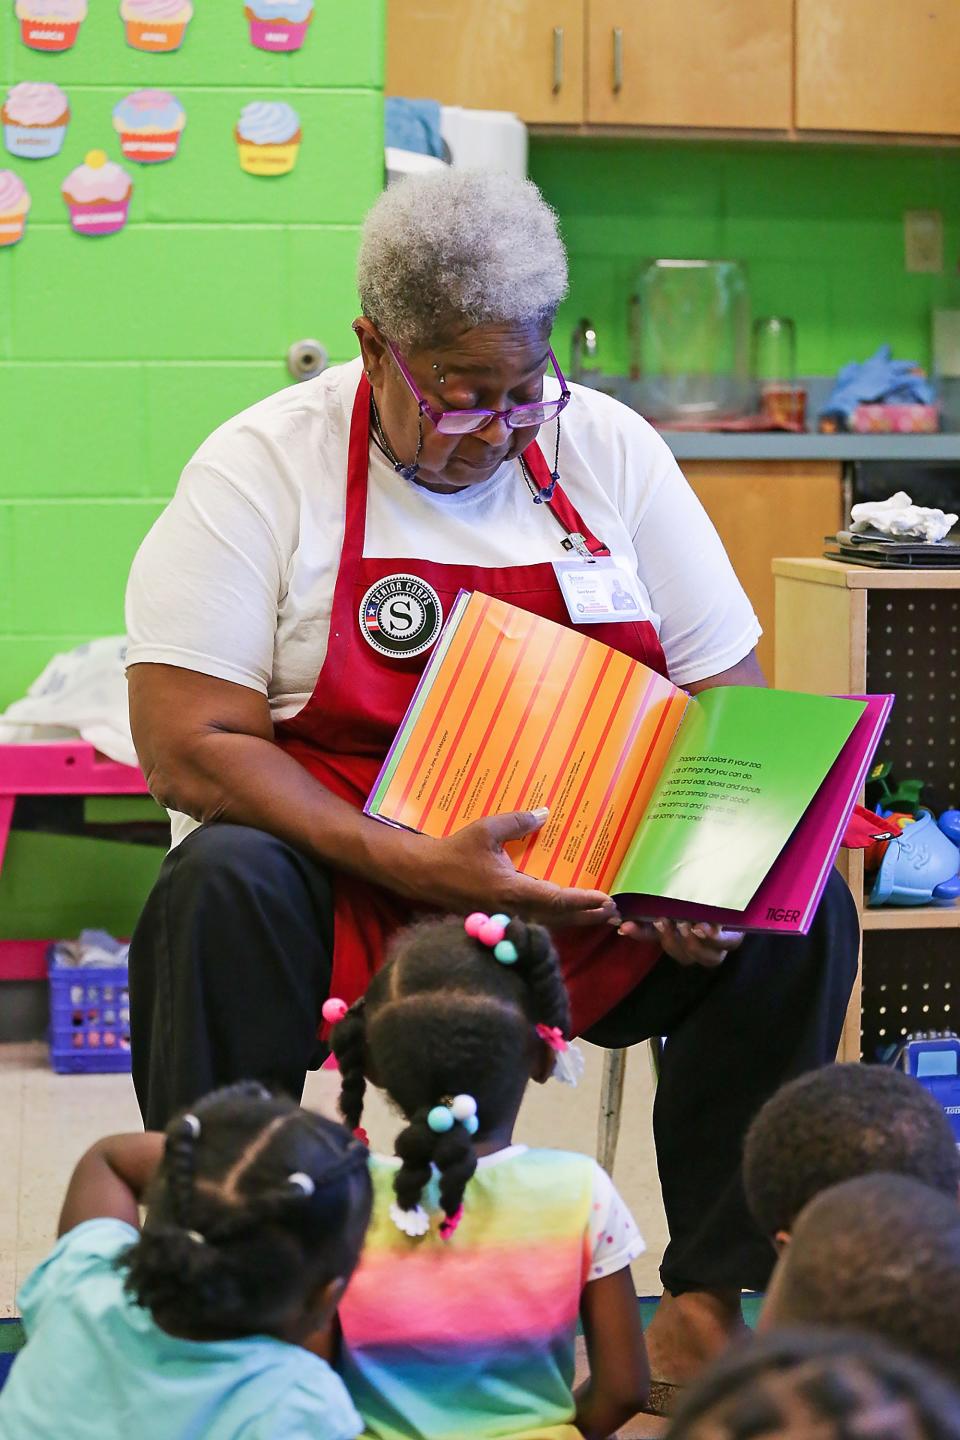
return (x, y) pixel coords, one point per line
(515, 712)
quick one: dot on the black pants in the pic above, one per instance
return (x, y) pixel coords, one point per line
(231, 962)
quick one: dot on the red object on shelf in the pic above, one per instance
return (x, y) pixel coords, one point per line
(70, 767)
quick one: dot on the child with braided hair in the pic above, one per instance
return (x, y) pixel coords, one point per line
(482, 1255)
(196, 1325)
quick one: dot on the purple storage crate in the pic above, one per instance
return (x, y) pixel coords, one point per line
(89, 1019)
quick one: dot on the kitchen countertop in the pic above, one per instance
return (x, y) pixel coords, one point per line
(779, 445)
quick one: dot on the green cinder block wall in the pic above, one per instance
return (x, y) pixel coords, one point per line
(819, 227)
(118, 354)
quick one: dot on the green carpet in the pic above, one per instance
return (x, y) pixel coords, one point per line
(11, 1340)
(751, 1308)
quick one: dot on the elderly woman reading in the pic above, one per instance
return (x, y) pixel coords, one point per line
(280, 613)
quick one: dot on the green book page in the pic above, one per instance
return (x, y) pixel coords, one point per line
(744, 767)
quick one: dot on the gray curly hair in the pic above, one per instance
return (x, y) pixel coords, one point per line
(458, 248)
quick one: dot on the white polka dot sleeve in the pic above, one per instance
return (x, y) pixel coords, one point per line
(613, 1234)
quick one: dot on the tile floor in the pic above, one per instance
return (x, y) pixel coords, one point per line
(47, 1121)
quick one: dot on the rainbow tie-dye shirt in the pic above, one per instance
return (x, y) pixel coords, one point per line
(474, 1336)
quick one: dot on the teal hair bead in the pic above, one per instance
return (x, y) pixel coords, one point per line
(440, 1119)
(471, 1124)
(506, 952)
(503, 920)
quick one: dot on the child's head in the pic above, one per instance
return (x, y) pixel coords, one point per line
(444, 1018)
(833, 1385)
(255, 1218)
(879, 1254)
(835, 1124)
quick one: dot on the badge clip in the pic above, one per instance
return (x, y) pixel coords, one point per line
(578, 542)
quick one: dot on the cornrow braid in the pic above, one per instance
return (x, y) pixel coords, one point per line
(180, 1161)
(349, 1041)
(182, 1134)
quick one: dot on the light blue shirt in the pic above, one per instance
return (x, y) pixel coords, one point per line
(96, 1365)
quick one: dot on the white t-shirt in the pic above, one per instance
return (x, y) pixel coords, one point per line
(236, 577)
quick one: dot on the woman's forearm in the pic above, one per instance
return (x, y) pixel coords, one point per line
(249, 780)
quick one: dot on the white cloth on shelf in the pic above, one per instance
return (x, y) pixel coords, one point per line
(82, 692)
(899, 518)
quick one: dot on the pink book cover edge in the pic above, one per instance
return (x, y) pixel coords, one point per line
(787, 899)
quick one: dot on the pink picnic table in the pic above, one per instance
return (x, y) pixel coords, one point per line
(69, 767)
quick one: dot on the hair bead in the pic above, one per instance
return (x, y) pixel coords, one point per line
(506, 952)
(474, 924)
(440, 1119)
(492, 931)
(333, 1010)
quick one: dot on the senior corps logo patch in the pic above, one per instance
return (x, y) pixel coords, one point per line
(400, 616)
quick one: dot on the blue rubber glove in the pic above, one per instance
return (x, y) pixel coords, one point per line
(879, 379)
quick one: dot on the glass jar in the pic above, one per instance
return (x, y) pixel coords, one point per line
(690, 341)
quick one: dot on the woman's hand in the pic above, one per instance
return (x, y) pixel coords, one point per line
(687, 942)
(471, 870)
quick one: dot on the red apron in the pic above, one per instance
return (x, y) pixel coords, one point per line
(343, 733)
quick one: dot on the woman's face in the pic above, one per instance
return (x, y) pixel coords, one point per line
(490, 367)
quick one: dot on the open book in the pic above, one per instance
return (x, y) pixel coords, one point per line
(728, 806)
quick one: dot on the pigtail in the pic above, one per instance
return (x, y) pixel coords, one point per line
(456, 1159)
(539, 968)
(349, 1042)
(415, 1146)
(419, 1149)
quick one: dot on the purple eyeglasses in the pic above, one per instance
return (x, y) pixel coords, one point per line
(464, 422)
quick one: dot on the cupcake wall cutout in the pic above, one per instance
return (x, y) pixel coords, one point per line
(156, 25)
(268, 137)
(50, 24)
(278, 24)
(150, 124)
(14, 204)
(97, 195)
(34, 120)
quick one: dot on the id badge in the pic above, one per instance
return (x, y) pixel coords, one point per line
(599, 591)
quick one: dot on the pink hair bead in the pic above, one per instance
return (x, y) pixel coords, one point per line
(474, 923)
(491, 932)
(333, 1011)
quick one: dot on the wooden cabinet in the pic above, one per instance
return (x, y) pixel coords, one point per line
(761, 65)
(890, 68)
(719, 63)
(526, 56)
(761, 508)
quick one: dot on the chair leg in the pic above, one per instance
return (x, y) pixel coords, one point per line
(611, 1106)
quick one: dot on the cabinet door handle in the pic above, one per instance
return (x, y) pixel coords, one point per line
(557, 59)
(617, 59)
